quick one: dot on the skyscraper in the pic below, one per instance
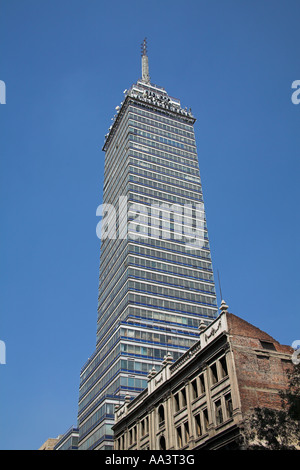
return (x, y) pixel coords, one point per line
(156, 278)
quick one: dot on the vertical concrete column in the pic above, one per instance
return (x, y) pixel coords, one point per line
(192, 423)
(208, 383)
(189, 409)
(152, 429)
(126, 438)
(138, 434)
(170, 428)
(235, 394)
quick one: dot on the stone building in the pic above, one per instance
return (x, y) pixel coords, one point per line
(49, 444)
(199, 401)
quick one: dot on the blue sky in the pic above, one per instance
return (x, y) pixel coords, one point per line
(65, 65)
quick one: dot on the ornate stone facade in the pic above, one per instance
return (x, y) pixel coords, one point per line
(199, 401)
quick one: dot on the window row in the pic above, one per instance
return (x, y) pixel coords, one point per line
(166, 165)
(165, 140)
(166, 289)
(105, 410)
(144, 195)
(113, 389)
(120, 140)
(107, 318)
(153, 337)
(171, 293)
(151, 301)
(174, 180)
(111, 248)
(104, 430)
(158, 131)
(99, 381)
(174, 270)
(147, 352)
(154, 122)
(118, 269)
(133, 383)
(163, 191)
(171, 281)
(159, 169)
(180, 257)
(169, 151)
(164, 317)
(145, 228)
(175, 122)
(157, 155)
(98, 358)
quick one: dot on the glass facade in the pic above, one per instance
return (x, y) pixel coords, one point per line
(68, 441)
(156, 277)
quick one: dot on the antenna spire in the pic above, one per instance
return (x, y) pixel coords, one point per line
(144, 47)
(220, 286)
(145, 64)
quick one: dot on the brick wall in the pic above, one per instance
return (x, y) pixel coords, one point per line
(261, 367)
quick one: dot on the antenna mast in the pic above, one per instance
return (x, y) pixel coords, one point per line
(220, 286)
(145, 63)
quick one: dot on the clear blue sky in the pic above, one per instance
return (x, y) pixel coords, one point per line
(65, 64)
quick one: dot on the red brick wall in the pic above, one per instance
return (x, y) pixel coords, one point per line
(261, 373)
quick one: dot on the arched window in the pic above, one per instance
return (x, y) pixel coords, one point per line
(161, 414)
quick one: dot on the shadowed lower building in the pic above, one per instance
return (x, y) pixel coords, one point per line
(156, 276)
(199, 402)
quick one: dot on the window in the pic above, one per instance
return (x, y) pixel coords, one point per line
(132, 435)
(228, 405)
(161, 414)
(144, 426)
(214, 373)
(176, 402)
(183, 396)
(268, 345)
(202, 384)
(162, 443)
(223, 364)
(179, 437)
(194, 388)
(186, 432)
(205, 420)
(198, 425)
(218, 412)
(121, 442)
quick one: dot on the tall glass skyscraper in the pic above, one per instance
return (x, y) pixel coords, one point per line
(156, 277)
